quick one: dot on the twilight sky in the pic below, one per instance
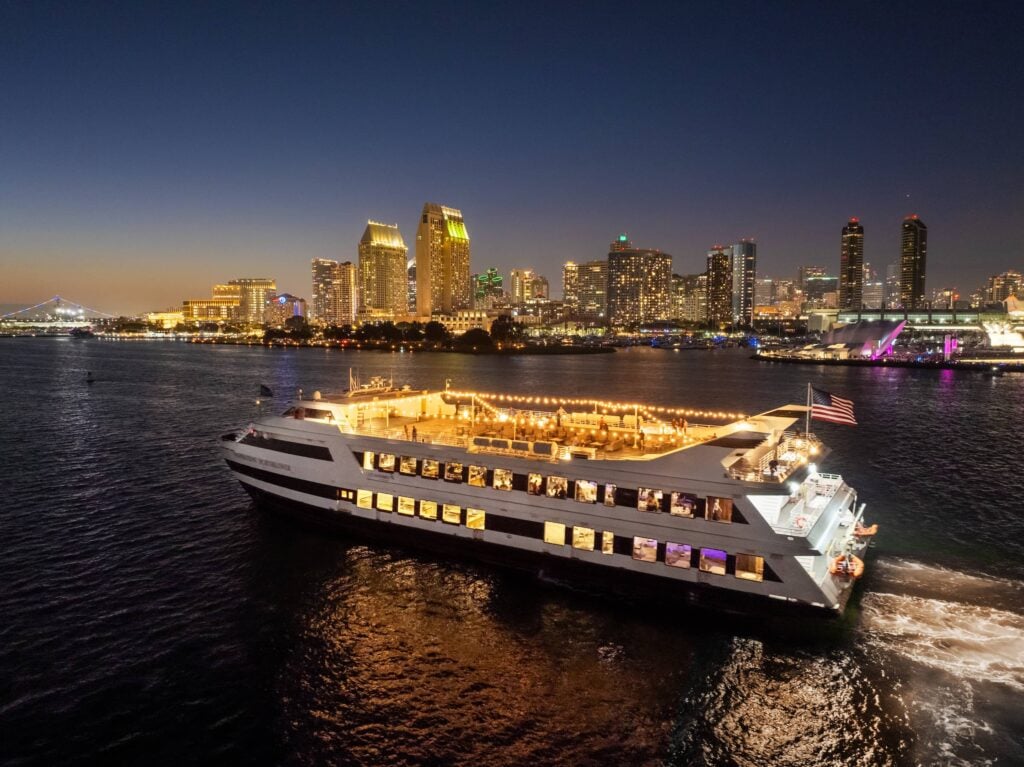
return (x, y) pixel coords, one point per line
(148, 150)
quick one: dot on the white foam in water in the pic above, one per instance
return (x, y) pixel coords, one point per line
(968, 641)
(907, 577)
(951, 711)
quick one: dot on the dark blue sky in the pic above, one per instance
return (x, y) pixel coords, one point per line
(148, 150)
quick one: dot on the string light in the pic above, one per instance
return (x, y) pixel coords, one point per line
(647, 411)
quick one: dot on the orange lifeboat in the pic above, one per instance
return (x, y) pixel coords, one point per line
(847, 565)
(865, 532)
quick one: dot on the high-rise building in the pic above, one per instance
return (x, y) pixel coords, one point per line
(851, 266)
(383, 275)
(323, 280)
(719, 286)
(571, 287)
(639, 284)
(913, 260)
(873, 295)
(442, 262)
(410, 270)
(744, 274)
(252, 297)
(283, 307)
(1002, 286)
(488, 289)
(344, 294)
(892, 286)
(592, 292)
(520, 286)
(807, 272)
(764, 292)
(689, 297)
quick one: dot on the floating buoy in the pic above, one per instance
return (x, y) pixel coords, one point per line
(847, 565)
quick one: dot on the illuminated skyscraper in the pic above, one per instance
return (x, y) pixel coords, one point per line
(488, 289)
(571, 287)
(719, 286)
(592, 292)
(442, 262)
(913, 260)
(851, 266)
(344, 294)
(744, 273)
(252, 297)
(383, 274)
(323, 280)
(410, 271)
(639, 284)
(1002, 286)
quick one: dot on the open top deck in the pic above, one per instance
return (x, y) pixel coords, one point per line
(768, 447)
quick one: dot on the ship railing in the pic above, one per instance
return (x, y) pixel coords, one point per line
(777, 463)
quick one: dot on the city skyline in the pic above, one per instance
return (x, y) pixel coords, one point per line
(150, 153)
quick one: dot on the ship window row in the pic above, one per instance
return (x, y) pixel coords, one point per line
(708, 560)
(450, 513)
(646, 499)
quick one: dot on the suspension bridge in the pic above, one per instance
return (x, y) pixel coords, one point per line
(54, 314)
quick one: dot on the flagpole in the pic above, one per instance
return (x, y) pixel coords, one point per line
(807, 415)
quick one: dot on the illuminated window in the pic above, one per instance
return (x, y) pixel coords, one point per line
(586, 491)
(406, 506)
(385, 502)
(607, 542)
(609, 495)
(554, 532)
(677, 555)
(407, 465)
(475, 519)
(431, 468)
(750, 567)
(583, 538)
(649, 500)
(713, 561)
(645, 549)
(502, 479)
(368, 460)
(364, 499)
(453, 472)
(386, 462)
(683, 504)
(428, 509)
(478, 476)
(534, 482)
(451, 513)
(718, 509)
(557, 487)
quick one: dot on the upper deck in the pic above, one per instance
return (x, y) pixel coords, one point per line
(766, 448)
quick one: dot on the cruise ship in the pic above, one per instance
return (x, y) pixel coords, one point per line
(624, 497)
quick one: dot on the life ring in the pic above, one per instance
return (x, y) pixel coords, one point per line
(800, 522)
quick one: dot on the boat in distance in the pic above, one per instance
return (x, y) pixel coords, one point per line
(622, 496)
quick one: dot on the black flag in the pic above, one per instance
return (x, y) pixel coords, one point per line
(265, 391)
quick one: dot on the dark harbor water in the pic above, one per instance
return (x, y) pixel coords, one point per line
(148, 613)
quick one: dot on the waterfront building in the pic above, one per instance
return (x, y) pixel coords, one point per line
(252, 297)
(223, 306)
(873, 295)
(383, 275)
(913, 262)
(442, 261)
(571, 287)
(458, 323)
(282, 307)
(344, 294)
(323, 280)
(1002, 286)
(851, 266)
(822, 292)
(719, 286)
(690, 297)
(592, 292)
(744, 274)
(167, 320)
(639, 284)
(520, 286)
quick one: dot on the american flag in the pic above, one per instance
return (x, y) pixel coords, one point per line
(828, 407)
